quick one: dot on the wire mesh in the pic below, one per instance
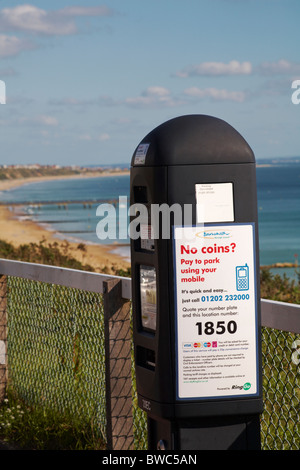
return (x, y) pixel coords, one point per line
(56, 348)
(280, 427)
(56, 358)
(56, 351)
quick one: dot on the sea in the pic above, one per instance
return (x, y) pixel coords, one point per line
(71, 209)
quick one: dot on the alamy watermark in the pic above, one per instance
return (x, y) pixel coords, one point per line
(138, 221)
(296, 93)
(2, 92)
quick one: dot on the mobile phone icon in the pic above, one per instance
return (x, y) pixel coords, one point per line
(242, 277)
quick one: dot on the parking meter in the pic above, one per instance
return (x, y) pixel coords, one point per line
(195, 285)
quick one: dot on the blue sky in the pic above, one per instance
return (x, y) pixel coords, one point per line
(86, 81)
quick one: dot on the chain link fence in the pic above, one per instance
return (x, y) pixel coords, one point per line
(280, 428)
(56, 353)
(56, 358)
(56, 349)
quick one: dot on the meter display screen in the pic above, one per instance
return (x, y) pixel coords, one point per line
(148, 297)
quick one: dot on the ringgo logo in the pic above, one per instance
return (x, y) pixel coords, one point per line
(246, 386)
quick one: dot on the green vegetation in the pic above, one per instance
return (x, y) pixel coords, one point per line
(41, 171)
(12, 173)
(34, 428)
(42, 253)
(51, 254)
(280, 288)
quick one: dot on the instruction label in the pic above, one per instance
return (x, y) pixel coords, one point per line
(214, 202)
(140, 154)
(216, 320)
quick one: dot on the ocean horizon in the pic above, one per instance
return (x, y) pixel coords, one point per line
(278, 193)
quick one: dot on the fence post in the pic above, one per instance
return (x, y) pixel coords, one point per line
(118, 367)
(3, 336)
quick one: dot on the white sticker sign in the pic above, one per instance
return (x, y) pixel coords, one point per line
(148, 297)
(214, 202)
(140, 154)
(216, 324)
(147, 242)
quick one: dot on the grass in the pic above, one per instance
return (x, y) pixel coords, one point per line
(35, 428)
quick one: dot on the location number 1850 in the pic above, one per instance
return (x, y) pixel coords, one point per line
(209, 327)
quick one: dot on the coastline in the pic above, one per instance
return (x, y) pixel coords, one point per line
(280, 265)
(8, 184)
(17, 229)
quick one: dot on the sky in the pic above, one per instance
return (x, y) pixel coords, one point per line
(85, 81)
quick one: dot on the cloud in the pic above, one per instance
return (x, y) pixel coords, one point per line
(101, 137)
(233, 68)
(12, 46)
(86, 11)
(83, 103)
(280, 67)
(47, 120)
(152, 96)
(216, 94)
(28, 18)
(156, 97)
(43, 119)
(217, 69)
(86, 137)
(161, 97)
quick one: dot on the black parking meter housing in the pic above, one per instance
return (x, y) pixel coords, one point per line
(166, 167)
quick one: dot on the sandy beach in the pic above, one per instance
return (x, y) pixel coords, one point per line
(19, 230)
